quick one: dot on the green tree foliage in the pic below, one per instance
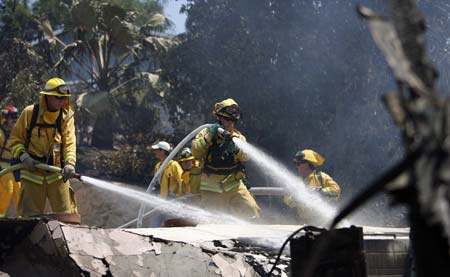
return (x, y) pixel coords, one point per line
(21, 67)
(21, 70)
(55, 11)
(16, 21)
(114, 54)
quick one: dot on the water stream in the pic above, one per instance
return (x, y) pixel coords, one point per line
(282, 177)
(177, 209)
(182, 210)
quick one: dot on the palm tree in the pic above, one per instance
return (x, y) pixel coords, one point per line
(114, 44)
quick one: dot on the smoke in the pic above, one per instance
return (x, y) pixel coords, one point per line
(306, 74)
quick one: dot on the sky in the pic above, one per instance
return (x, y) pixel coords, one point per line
(172, 11)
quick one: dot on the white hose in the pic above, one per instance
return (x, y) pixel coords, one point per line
(172, 154)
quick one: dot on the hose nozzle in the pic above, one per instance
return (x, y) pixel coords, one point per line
(226, 135)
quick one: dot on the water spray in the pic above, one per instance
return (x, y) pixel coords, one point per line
(281, 176)
(176, 208)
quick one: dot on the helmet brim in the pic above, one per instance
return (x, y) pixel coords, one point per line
(186, 159)
(54, 93)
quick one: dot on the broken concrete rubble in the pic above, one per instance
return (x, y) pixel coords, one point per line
(51, 248)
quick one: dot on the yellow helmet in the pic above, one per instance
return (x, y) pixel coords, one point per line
(310, 156)
(185, 155)
(227, 108)
(56, 87)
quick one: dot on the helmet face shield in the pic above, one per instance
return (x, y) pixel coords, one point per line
(63, 89)
(232, 113)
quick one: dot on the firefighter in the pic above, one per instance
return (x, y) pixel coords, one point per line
(45, 134)
(9, 188)
(222, 187)
(171, 184)
(191, 171)
(307, 162)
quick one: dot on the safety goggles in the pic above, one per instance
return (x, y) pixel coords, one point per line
(233, 111)
(62, 89)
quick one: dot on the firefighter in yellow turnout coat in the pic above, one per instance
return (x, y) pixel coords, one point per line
(221, 186)
(191, 171)
(170, 182)
(45, 133)
(306, 162)
(9, 188)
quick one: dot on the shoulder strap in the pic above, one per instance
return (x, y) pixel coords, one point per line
(32, 125)
(59, 122)
(61, 145)
(319, 177)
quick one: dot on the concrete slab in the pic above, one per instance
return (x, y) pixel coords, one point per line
(51, 248)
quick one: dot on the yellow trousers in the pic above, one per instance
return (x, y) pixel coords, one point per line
(238, 202)
(33, 196)
(9, 189)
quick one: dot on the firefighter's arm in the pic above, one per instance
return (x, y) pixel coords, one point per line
(330, 187)
(200, 144)
(69, 137)
(18, 134)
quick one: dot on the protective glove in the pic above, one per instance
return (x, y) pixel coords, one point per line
(212, 131)
(28, 162)
(213, 128)
(231, 147)
(68, 172)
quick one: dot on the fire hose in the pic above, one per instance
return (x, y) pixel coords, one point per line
(190, 136)
(158, 173)
(46, 167)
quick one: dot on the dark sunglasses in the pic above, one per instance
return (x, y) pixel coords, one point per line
(60, 97)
